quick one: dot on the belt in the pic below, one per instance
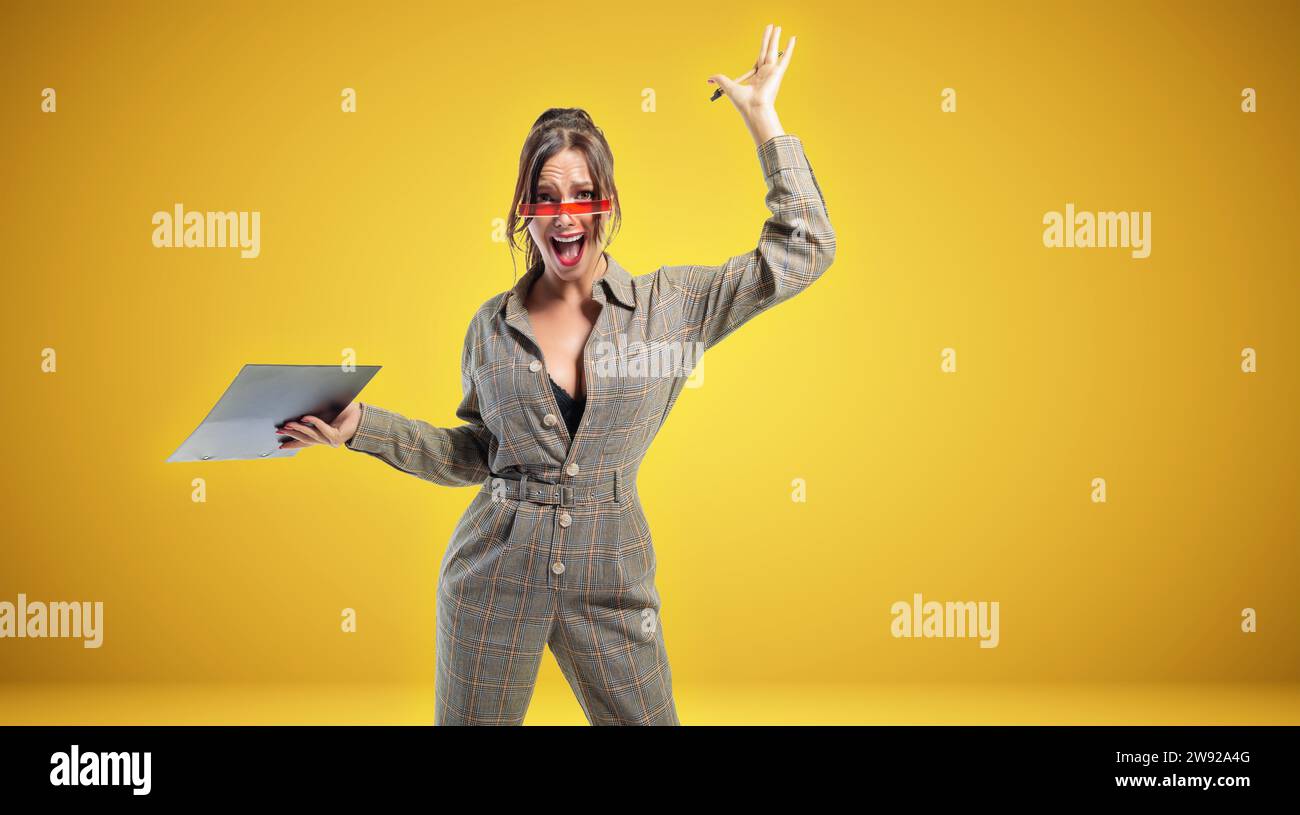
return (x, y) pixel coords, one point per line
(565, 495)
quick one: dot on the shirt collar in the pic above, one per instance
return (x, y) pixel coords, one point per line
(616, 281)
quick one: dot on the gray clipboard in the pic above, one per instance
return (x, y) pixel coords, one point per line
(242, 424)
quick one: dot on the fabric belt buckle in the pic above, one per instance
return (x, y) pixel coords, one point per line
(566, 495)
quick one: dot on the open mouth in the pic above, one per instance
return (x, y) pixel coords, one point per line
(569, 252)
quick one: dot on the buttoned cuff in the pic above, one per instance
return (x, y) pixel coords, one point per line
(373, 431)
(783, 152)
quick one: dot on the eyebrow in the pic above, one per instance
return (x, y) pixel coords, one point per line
(546, 185)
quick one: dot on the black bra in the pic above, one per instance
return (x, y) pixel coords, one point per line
(570, 408)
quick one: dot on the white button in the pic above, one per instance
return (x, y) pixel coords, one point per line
(535, 366)
(558, 568)
(549, 420)
(572, 468)
(565, 519)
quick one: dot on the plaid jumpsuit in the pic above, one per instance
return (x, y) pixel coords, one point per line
(554, 548)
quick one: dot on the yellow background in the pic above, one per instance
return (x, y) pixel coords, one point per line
(377, 235)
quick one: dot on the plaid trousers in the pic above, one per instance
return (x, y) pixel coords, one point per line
(554, 549)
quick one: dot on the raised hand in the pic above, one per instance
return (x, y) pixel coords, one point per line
(756, 101)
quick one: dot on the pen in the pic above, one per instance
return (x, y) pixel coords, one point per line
(747, 75)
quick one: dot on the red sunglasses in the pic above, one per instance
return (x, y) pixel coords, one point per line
(548, 209)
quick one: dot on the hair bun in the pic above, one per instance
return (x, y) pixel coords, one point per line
(574, 115)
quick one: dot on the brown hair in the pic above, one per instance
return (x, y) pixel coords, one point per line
(554, 131)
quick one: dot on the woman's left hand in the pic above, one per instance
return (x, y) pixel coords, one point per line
(757, 100)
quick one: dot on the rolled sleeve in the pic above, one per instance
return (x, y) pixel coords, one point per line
(450, 456)
(373, 432)
(796, 245)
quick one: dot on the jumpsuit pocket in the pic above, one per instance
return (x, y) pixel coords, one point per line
(636, 554)
(498, 402)
(483, 536)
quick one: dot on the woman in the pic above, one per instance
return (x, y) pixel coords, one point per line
(554, 549)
